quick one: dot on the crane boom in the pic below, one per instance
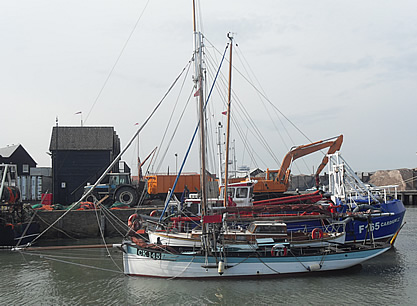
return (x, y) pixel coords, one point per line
(334, 145)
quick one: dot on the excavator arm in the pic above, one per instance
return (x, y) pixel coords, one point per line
(333, 144)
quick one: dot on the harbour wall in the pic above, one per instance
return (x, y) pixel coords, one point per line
(87, 223)
(408, 197)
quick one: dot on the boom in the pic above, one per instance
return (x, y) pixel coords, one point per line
(277, 181)
(300, 151)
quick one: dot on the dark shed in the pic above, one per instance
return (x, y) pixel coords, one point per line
(80, 155)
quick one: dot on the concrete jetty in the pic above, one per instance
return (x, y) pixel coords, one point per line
(87, 223)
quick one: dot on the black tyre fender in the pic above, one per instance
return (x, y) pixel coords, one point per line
(126, 195)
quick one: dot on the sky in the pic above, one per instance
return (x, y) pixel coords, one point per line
(331, 67)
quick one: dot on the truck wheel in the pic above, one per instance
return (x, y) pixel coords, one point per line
(127, 196)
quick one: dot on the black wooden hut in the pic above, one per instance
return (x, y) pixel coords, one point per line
(17, 155)
(79, 156)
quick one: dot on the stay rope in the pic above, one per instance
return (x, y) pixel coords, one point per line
(115, 160)
(117, 60)
(70, 262)
(192, 139)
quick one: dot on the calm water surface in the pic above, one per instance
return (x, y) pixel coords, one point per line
(48, 279)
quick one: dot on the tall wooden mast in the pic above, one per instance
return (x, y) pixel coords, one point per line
(229, 100)
(198, 79)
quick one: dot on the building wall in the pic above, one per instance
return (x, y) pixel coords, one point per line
(73, 170)
(32, 187)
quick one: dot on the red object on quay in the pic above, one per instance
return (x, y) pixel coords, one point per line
(46, 198)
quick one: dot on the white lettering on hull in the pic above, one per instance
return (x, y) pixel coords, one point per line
(374, 227)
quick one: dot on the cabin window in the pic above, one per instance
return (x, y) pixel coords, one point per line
(230, 192)
(242, 193)
(25, 168)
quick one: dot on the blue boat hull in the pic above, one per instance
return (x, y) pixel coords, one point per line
(379, 227)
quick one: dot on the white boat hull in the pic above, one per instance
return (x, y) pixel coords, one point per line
(143, 262)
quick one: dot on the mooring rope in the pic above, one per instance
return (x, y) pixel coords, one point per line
(70, 262)
(104, 239)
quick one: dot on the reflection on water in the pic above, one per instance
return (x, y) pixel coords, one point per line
(48, 279)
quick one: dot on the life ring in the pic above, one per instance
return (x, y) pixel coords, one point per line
(317, 233)
(133, 222)
(153, 213)
(282, 251)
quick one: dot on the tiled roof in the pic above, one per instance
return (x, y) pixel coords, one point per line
(83, 138)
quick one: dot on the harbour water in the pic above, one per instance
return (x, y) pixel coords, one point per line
(66, 278)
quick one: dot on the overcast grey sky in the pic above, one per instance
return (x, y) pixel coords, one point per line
(332, 67)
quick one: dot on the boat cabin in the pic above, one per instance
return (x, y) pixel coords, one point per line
(239, 194)
(275, 231)
(266, 227)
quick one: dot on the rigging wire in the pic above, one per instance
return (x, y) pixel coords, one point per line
(267, 99)
(192, 139)
(104, 239)
(117, 60)
(239, 55)
(210, 126)
(169, 122)
(173, 133)
(239, 106)
(115, 160)
(262, 94)
(245, 63)
(70, 262)
(237, 112)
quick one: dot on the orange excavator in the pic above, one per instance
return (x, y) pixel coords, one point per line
(277, 181)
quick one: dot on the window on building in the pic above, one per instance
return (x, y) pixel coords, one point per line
(25, 168)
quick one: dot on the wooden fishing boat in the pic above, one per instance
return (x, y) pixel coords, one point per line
(152, 260)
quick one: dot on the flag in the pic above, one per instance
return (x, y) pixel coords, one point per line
(77, 113)
(137, 123)
(224, 113)
(197, 93)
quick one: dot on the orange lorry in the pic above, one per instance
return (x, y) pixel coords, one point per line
(159, 184)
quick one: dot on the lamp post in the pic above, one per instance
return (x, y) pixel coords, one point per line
(81, 116)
